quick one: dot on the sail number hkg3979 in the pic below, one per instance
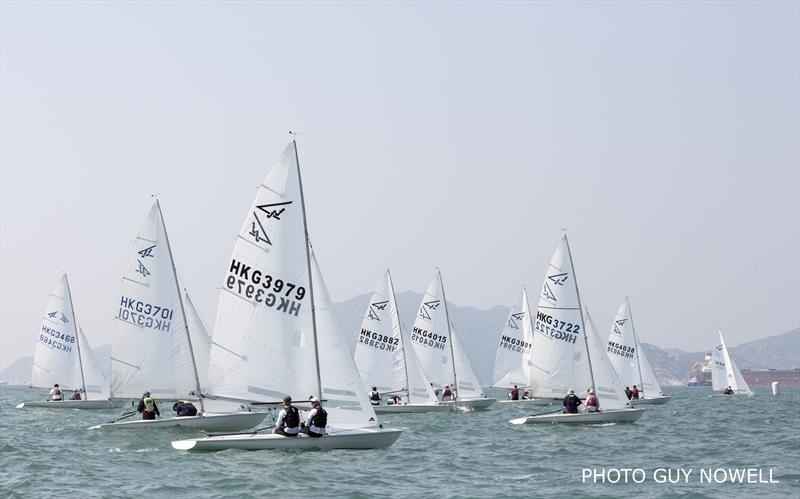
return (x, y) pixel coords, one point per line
(260, 287)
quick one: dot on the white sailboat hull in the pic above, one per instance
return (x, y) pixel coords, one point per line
(409, 408)
(663, 399)
(72, 404)
(481, 403)
(207, 422)
(609, 416)
(364, 438)
(528, 402)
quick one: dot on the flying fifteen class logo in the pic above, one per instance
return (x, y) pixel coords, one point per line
(558, 279)
(147, 252)
(268, 211)
(58, 315)
(372, 311)
(513, 318)
(142, 269)
(427, 307)
(547, 293)
(619, 324)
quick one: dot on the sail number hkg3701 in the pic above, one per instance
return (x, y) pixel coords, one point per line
(260, 287)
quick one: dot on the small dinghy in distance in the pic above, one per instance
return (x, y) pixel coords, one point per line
(725, 374)
(441, 356)
(569, 353)
(63, 356)
(630, 362)
(276, 332)
(386, 361)
(152, 347)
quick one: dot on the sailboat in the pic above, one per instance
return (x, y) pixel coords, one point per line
(152, 347)
(629, 360)
(724, 372)
(440, 354)
(63, 356)
(385, 360)
(570, 355)
(511, 364)
(276, 333)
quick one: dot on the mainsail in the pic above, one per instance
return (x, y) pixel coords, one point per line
(511, 362)
(627, 356)
(150, 349)
(559, 361)
(430, 336)
(734, 377)
(56, 358)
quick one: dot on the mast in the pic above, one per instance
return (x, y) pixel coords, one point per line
(637, 345)
(183, 311)
(528, 317)
(580, 309)
(77, 340)
(400, 327)
(449, 332)
(310, 279)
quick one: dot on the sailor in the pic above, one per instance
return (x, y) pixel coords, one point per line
(628, 393)
(526, 394)
(316, 421)
(728, 391)
(396, 400)
(288, 422)
(571, 402)
(374, 396)
(55, 394)
(148, 407)
(514, 393)
(635, 392)
(592, 403)
(184, 408)
(76, 395)
(447, 394)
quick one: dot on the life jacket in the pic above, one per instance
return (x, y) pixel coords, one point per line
(514, 394)
(149, 404)
(292, 418)
(320, 419)
(374, 395)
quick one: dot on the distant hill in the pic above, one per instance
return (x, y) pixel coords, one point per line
(479, 331)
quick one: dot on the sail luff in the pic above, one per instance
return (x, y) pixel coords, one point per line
(308, 266)
(396, 316)
(449, 331)
(180, 302)
(580, 308)
(77, 336)
(636, 343)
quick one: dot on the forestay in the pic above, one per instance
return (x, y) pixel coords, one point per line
(511, 365)
(430, 336)
(468, 385)
(201, 341)
(97, 385)
(55, 358)
(344, 395)
(608, 386)
(150, 349)
(383, 357)
(263, 340)
(559, 361)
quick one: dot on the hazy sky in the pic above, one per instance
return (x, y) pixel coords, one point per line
(663, 136)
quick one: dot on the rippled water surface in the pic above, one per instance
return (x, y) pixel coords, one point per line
(50, 453)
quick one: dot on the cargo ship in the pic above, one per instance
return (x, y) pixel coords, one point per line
(700, 374)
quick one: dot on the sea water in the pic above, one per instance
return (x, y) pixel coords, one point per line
(51, 453)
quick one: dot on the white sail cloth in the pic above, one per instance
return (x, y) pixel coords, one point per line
(511, 366)
(150, 349)
(383, 356)
(626, 354)
(97, 385)
(468, 385)
(608, 386)
(559, 361)
(55, 358)
(201, 340)
(732, 374)
(430, 337)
